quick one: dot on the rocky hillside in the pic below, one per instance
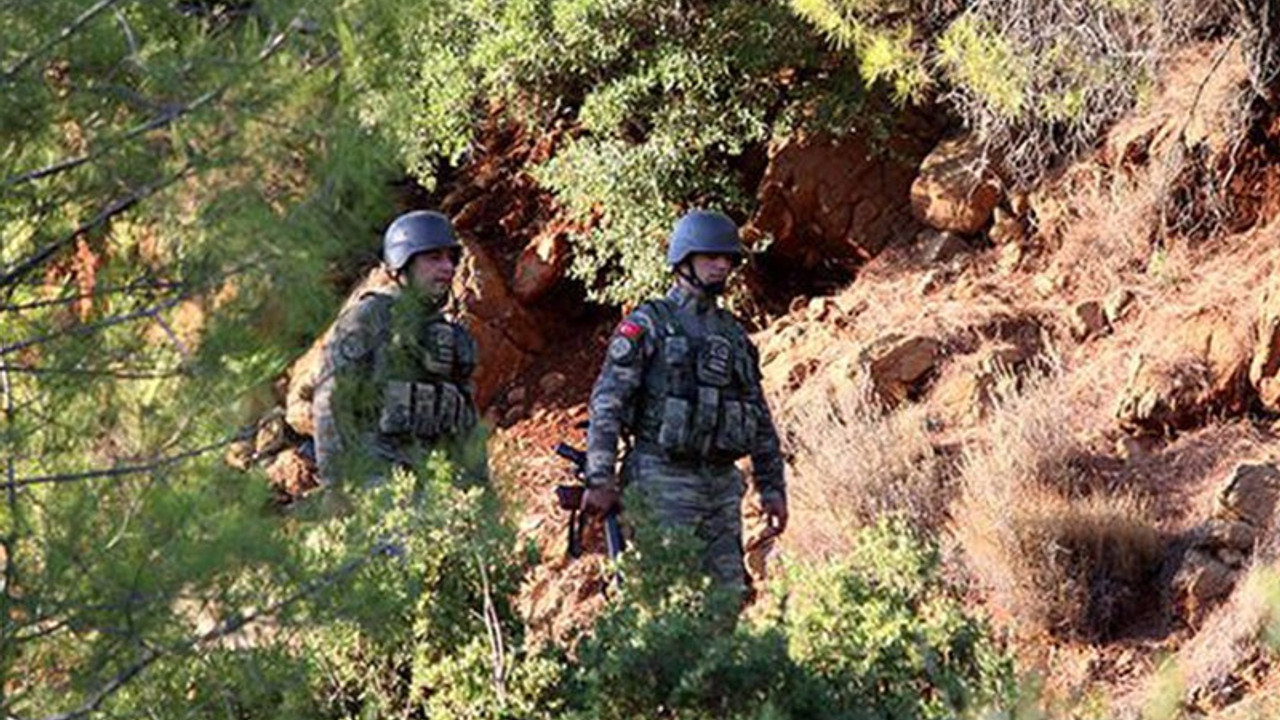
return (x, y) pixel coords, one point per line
(1073, 385)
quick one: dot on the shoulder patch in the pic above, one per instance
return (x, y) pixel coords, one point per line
(622, 349)
(630, 330)
(353, 346)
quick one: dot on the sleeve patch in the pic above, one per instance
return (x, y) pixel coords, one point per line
(630, 330)
(622, 349)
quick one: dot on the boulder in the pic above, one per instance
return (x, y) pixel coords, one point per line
(1006, 228)
(506, 333)
(825, 199)
(1249, 495)
(1199, 371)
(541, 264)
(955, 189)
(292, 473)
(1201, 582)
(1088, 320)
(900, 365)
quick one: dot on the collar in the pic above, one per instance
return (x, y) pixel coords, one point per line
(688, 299)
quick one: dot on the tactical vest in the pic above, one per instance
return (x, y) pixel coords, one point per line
(426, 392)
(698, 402)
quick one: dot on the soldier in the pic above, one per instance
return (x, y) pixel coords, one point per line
(681, 382)
(396, 376)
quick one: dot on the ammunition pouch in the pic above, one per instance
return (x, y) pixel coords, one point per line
(425, 410)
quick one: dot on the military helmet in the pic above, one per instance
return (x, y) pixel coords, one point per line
(703, 231)
(415, 232)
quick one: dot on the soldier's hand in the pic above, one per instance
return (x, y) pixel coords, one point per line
(775, 511)
(600, 501)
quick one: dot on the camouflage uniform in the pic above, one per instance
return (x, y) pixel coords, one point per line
(682, 381)
(395, 382)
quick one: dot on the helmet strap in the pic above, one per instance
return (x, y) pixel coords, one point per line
(686, 271)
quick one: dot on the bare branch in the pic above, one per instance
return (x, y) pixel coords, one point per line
(117, 373)
(229, 627)
(84, 19)
(97, 292)
(21, 268)
(91, 327)
(120, 471)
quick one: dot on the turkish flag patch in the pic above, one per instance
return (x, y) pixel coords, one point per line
(630, 330)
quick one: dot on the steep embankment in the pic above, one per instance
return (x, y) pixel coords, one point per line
(1062, 384)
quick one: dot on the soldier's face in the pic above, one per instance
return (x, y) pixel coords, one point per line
(712, 269)
(431, 272)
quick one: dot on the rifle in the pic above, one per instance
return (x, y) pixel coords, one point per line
(569, 497)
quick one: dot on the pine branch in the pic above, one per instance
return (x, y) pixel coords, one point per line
(84, 19)
(22, 267)
(97, 292)
(121, 471)
(167, 117)
(229, 627)
(92, 327)
(116, 373)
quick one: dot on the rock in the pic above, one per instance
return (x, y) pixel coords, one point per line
(292, 473)
(826, 199)
(272, 435)
(899, 364)
(967, 389)
(1010, 256)
(1265, 367)
(940, 246)
(1006, 229)
(239, 455)
(302, 378)
(551, 382)
(541, 264)
(1045, 285)
(1201, 371)
(506, 333)
(1117, 305)
(1229, 534)
(517, 395)
(1088, 321)
(1200, 582)
(1250, 495)
(513, 415)
(955, 189)
(818, 308)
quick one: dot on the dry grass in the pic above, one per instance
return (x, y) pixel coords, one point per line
(1056, 555)
(853, 463)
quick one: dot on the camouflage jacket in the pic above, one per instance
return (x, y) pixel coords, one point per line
(682, 378)
(394, 382)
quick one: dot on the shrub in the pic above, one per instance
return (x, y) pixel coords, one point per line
(666, 99)
(1037, 81)
(853, 462)
(1057, 555)
(876, 635)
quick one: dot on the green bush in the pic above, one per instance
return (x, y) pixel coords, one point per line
(665, 98)
(878, 635)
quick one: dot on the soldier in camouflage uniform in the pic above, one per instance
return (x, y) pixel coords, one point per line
(681, 382)
(396, 376)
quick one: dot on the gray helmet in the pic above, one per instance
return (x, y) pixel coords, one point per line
(703, 231)
(415, 232)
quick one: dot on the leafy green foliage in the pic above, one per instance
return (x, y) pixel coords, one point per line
(176, 179)
(1037, 81)
(666, 99)
(878, 635)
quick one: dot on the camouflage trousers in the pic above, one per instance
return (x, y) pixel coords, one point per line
(704, 499)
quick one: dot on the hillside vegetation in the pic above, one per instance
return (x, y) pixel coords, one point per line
(1013, 283)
